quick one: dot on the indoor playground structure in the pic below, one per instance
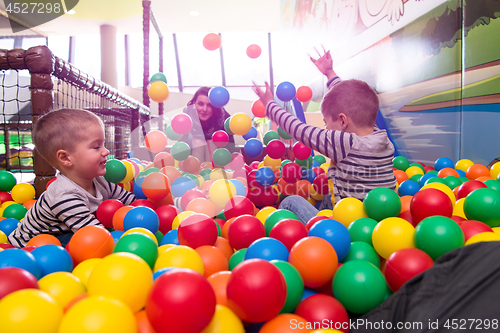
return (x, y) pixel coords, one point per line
(206, 248)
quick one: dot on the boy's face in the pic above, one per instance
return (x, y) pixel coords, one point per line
(89, 155)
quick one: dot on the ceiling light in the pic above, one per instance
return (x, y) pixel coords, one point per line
(194, 13)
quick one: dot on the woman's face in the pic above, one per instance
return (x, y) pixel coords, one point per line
(203, 107)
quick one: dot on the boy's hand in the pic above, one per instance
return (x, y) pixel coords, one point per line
(264, 96)
(324, 64)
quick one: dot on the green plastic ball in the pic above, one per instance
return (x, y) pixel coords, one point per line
(294, 285)
(381, 203)
(7, 181)
(361, 230)
(418, 165)
(436, 180)
(305, 164)
(453, 181)
(180, 151)
(221, 157)
(115, 171)
(416, 177)
(236, 258)
(226, 126)
(192, 177)
(359, 286)
(171, 134)
(205, 173)
(139, 244)
(436, 235)
(277, 216)
(320, 159)
(362, 251)
(400, 163)
(150, 170)
(483, 204)
(432, 172)
(158, 77)
(284, 162)
(493, 184)
(284, 134)
(16, 211)
(159, 236)
(270, 135)
(221, 215)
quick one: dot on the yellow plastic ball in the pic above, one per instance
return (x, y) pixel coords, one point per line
(29, 311)
(325, 166)
(220, 173)
(130, 175)
(392, 234)
(264, 213)
(164, 248)
(180, 256)
(348, 210)
(84, 269)
(494, 171)
(458, 209)
(444, 188)
(414, 170)
(325, 212)
(123, 276)
(273, 163)
(178, 219)
(463, 164)
(240, 124)
(62, 286)
(158, 91)
(315, 195)
(483, 237)
(224, 321)
(98, 314)
(22, 192)
(311, 201)
(221, 192)
(3, 237)
(142, 231)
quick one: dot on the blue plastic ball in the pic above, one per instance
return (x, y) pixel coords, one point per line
(308, 292)
(264, 176)
(141, 217)
(408, 187)
(308, 175)
(20, 259)
(137, 189)
(253, 148)
(268, 249)
(8, 225)
(443, 162)
(218, 96)
(240, 187)
(251, 134)
(425, 177)
(117, 234)
(162, 270)
(170, 238)
(181, 185)
(335, 233)
(461, 173)
(52, 258)
(285, 91)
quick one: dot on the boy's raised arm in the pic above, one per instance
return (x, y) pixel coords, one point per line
(325, 64)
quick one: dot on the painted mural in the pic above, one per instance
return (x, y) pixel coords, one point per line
(435, 65)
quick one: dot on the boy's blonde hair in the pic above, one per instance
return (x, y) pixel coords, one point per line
(61, 129)
(355, 98)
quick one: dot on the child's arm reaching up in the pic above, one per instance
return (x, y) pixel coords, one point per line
(324, 64)
(264, 96)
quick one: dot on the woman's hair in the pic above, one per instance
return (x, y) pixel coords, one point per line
(61, 129)
(216, 112)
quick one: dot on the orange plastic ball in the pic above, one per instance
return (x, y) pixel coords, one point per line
(28, 204)
(286, 323)
(213, 259)
(225, 228)
(315, 259)
(155, 141)
(401, 176)
(223, 244)
(163, 159)
(171, 172)
(191, 164)
(304, 188)
(218, 281)
(90, 242)
(119, 216)
(445, 172)
(477, 170)
(43, 239)
(158, 91)
(155, 186)
(143, 324)
(405, 202)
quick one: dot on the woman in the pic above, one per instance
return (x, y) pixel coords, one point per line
(207, 119)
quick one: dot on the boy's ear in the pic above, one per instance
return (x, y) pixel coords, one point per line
(344, 121)
(63, 158)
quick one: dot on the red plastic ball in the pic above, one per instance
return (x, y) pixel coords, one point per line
(90, 242)
(291, 172)
(287, 188)
(268, 196)
(318, 170)
(237, 206)
(258, 109)
(469, 186)
(244, 230)
(407, 216)
(5, 196)
(320, 184)
(181, 124)
(275, 149)
(14, 278)
(196, 230)
(404, 264)
(180, 300)
(289, 232)
(220, 138)
(320, 308)
(143, 202)
(256, 290)
(253, 51)
(472, 227)
(429, 202)
(304, 94)
(46, 186)
(315, 219)
(301, 151)
(106, 210)
(166, 215)
(254, 194)
(211, 41)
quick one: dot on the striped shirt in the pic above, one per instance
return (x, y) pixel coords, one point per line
(362, 162)
(66, 207)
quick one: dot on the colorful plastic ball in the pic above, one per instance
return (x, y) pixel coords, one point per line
(52, 258)
(8, 225)
(483, 237)
(291, 172)
(156, 186)
(7, 181)
(90, 242)
(429, 202)
(84, 269)
(62, 287)
(270, 135)
(253, 51)
(180, 151)
(181, 301)
(16, 211)
(359, 286)
(404, 264)
(294, 283)
(119, 216)
(218, 96)
(181, 123)
(285, 91)
(115, 171)
(348, 210)
(315, 259)
(275, 149)
(253, 147)
(265, 176)
(190, 195)
(197, 230)
(483, 205)
(400, 163)
(213, 259)
(244, 230)
(436, 235)
(252, 133)
(443, 188)
(381, 203)
(301, 151)
(277, 216)
(258, 109)
(140, 245)
(443, 162)
(414, 170)
(141, 217)
(477, 170)
(158, 91)
(158, 77)
(238, 206)
(22, 192)
(166, 215)
(408, 187)
(283, 323)
(221, 157)
(468, 187)
(304, 94)
(220, 138)
(288, 232)
(181, 185)
(392, 234)
(221, 192)
(224, 321)
(14, 257)
(107, 210)
(170, 238)
(320, 308)
(30, 311)
(240, 123)
(362, 251)
(15, 278)
(471, 228)
(180, 256)
(463, 164)
(155, 141)
(163, 159)
(268, 249)
(123, 276)
(335, 233)
(211, 41)
(256, 290)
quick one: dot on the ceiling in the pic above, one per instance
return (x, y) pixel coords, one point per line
(171, 15)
